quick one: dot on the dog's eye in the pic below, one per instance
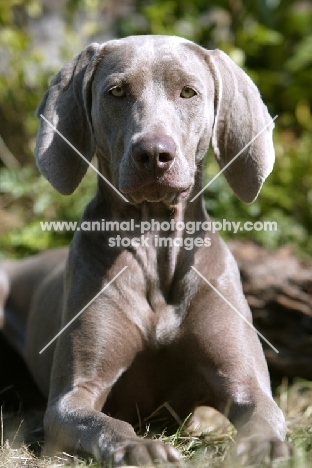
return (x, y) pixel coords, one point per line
(117, 91)
(187, 92)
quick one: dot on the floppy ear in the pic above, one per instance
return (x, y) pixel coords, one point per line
(240, 115)
(64, 106)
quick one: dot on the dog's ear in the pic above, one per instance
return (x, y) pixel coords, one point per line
(64, 106)
(240, 115)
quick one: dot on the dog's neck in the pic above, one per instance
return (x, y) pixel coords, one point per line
(165, 260)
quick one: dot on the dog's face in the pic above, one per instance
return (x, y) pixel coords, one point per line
(154, 111)
(149, 107)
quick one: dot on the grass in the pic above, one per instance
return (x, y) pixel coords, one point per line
(198, 449)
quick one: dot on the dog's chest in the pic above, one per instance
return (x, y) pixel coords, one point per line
(166, 325)
(165, 312)
(158, 321)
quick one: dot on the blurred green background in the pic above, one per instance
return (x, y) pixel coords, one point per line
(270, 39)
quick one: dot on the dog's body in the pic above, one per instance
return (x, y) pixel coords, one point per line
(148, 107)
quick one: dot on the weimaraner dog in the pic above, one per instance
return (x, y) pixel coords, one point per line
(148, 107)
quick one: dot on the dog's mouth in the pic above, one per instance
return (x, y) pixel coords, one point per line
(155, 192)
(170, 187)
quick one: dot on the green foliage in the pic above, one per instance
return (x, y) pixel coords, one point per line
(20, 84)
(33, 199)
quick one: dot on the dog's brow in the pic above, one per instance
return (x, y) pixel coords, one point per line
(114, 79)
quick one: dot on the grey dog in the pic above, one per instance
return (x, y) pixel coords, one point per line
(148, 107)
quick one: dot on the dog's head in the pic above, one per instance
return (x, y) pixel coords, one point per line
(149, 106)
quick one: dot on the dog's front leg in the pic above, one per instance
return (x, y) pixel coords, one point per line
(232, 368)
(234, 377)
(89, 359)
(73, 425)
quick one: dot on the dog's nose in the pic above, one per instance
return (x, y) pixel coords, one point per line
(154, 154)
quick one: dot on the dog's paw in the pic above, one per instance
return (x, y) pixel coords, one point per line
(255, 450)
(145, 453)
